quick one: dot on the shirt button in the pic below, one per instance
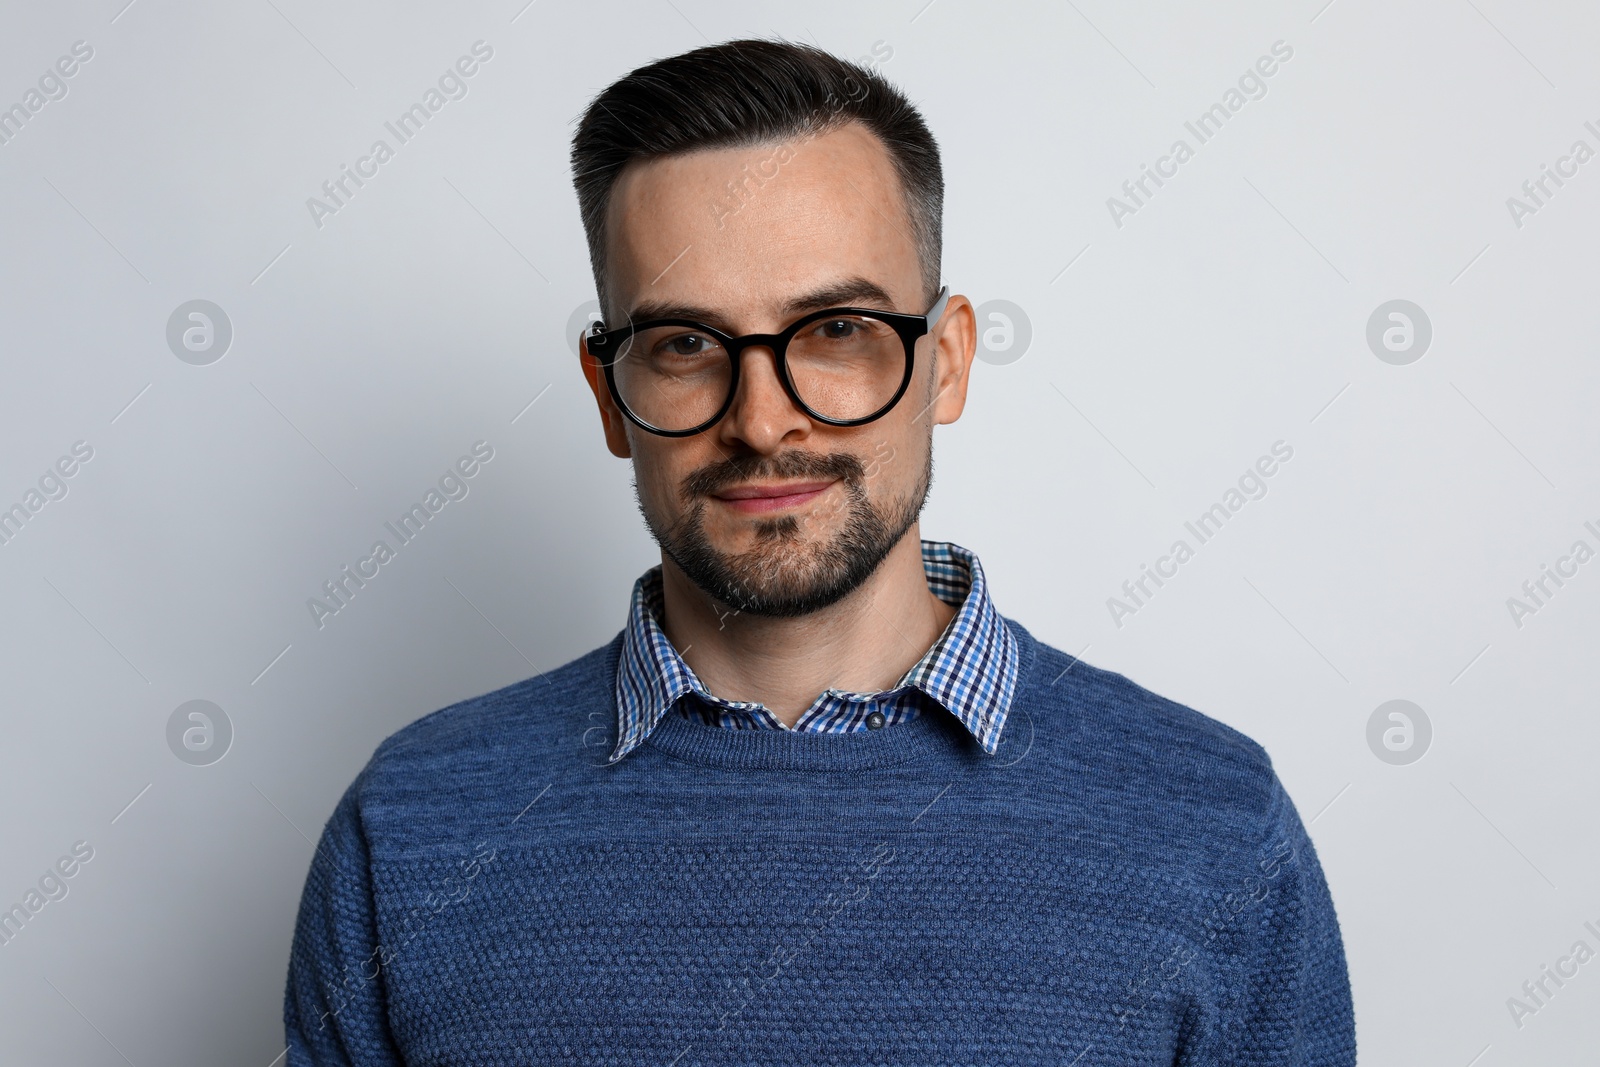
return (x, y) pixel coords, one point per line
(875, 720)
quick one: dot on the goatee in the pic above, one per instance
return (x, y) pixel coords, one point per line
(783, 575)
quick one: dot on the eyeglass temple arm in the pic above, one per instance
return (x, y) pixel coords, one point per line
(935, 312)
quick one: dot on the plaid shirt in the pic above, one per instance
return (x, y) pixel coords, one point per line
(971, 671)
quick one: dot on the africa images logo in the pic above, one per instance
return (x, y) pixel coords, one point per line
(452, 85)
(1251, 85)
(453, 485)
(51, 886)
(1252, 485)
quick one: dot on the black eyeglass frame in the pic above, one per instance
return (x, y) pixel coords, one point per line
(606, 346)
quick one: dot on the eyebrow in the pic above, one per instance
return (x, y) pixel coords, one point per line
(850, 292)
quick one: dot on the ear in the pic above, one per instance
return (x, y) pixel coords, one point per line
(611, 417)
(955, 345)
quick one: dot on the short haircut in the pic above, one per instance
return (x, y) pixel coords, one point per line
(746, 93)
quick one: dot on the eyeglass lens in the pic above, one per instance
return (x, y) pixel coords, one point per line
(843, 367)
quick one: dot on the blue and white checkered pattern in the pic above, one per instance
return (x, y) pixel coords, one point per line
(971, 671)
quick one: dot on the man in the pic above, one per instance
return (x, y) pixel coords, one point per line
(818, 801)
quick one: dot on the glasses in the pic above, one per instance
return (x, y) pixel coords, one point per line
(842, 366)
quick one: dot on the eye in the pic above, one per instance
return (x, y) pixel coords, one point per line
(686, 344)
(838, 329)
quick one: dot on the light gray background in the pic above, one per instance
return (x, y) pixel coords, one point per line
(1167, 354)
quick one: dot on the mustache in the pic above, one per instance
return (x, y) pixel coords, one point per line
(783, 466)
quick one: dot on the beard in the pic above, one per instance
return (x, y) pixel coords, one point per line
(784, 574)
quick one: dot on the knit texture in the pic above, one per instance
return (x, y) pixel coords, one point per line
(1123, 881)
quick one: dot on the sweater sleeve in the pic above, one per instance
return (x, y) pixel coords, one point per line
(1292, 1005)
(335, 1005)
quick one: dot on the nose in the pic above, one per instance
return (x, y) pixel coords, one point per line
(761, 417)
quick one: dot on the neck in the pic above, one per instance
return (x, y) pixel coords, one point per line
(862, 643)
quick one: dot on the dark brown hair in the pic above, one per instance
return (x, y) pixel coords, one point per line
(751, 92)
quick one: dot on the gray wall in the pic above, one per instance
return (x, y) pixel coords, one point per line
(1169, 347)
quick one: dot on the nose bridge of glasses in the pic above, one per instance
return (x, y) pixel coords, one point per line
(765, 388)
(756, 355)
(768, 341)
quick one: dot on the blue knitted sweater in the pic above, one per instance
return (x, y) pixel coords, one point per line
(1123, 882)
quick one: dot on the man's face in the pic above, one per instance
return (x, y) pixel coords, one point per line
(808, 224)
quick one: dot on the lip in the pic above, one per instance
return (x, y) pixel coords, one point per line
(759, 498)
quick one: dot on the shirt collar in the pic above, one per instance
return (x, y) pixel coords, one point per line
(971, 671)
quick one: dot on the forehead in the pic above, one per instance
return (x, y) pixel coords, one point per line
(744, 228)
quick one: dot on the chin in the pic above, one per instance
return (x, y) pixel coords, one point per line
(789, 564)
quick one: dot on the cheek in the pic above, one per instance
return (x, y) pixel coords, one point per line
(659, 473)
(650, 483)
(898, 454)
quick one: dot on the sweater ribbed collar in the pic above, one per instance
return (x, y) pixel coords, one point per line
(971, 672)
